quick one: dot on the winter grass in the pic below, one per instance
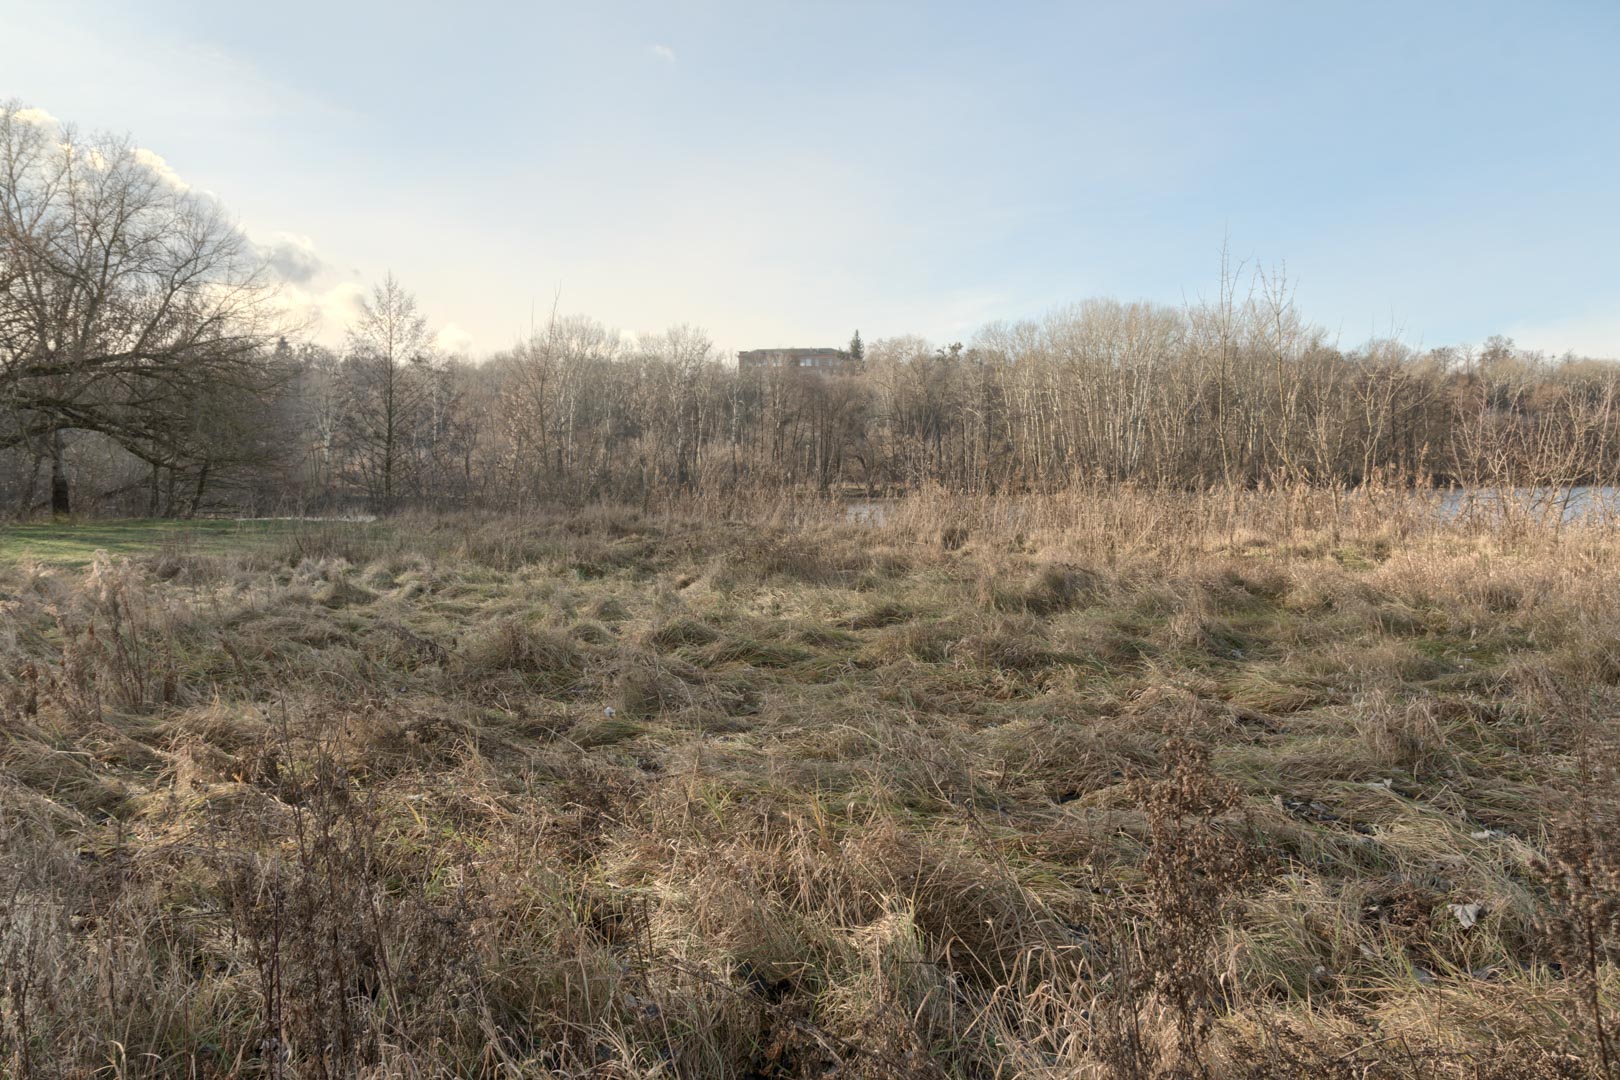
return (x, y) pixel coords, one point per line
(1242, 785)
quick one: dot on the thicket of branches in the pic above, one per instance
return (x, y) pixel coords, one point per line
(143, 369)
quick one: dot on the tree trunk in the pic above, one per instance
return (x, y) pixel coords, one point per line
(197, 494)
(25, 505)
(61, 493)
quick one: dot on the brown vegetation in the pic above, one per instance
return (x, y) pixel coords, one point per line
(1258, 786)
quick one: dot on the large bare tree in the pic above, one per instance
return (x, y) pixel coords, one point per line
(124, 296)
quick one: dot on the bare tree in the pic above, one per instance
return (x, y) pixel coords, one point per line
(121, 293)
(390, 365)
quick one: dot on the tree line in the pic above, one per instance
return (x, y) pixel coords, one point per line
(149, 366)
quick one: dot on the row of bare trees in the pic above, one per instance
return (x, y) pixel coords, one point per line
(147, 365)
(1101, 393)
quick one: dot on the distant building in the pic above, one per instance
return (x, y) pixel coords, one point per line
(820, 361)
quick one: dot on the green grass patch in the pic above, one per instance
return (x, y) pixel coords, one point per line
(75, 544)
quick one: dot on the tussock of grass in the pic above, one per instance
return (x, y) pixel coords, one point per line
(753, 652)
(680, 631)
(511, 644)
(928, 642)
(885, 613)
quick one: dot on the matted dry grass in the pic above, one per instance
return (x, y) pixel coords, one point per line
(1111, 785)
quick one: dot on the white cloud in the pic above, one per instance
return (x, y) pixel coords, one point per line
(160, 168)
(149, 159)
(292, 258)
(37, 117)
(322, 301)
(338, 306)
(663, 52)
(453, 339)
(322, 313)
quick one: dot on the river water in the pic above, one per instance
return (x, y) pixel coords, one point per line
(1569, 505)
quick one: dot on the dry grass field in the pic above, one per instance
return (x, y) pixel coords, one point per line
(1229, 786)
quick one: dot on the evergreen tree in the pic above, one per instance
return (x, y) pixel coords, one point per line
(857, 348)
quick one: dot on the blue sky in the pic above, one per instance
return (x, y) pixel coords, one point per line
(784, 173)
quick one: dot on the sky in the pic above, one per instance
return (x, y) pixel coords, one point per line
(787, 173)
